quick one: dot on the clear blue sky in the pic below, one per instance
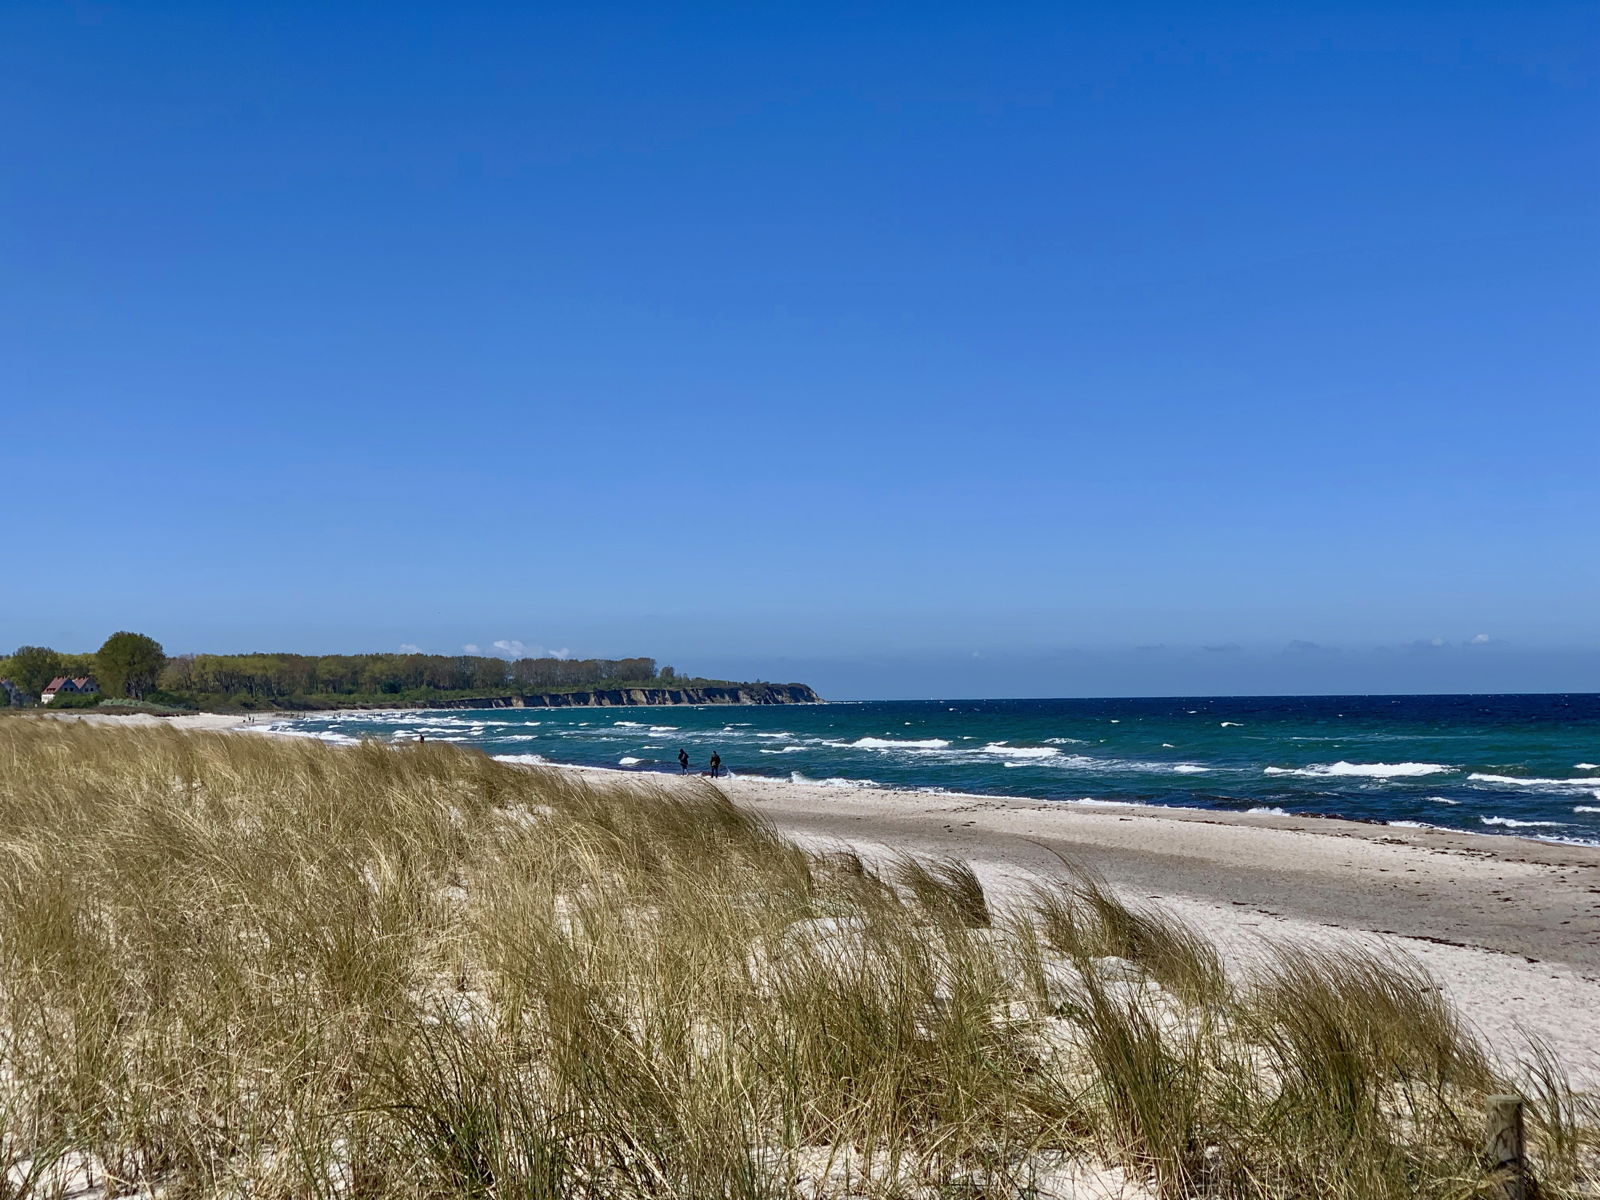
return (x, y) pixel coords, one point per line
(908, 349)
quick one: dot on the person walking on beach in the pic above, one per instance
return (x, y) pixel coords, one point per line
(683, 760)
(716, 764)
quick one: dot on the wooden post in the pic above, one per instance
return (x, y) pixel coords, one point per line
(1506, 1148)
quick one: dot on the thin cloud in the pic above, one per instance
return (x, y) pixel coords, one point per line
(514, 648)
(1301, 646)
(1425, 645)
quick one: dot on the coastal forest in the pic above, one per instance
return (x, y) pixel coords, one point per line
(133, 670)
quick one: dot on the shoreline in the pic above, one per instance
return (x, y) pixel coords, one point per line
(1313, 823)
(1309, 820)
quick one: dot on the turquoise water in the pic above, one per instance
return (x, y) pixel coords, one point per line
(1526, 765)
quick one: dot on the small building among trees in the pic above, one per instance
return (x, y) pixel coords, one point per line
(83, 685)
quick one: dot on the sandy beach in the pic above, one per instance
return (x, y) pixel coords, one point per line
(200, 721)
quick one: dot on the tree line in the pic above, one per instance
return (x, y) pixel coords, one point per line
(277, 676)
(135, 667)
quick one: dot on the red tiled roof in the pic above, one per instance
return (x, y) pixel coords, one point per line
(56, 684)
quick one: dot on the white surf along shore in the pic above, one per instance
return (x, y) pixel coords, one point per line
(1509, 927)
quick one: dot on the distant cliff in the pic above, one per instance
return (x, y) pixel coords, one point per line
(744, 693)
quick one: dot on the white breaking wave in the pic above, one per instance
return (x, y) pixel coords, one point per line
(529, 759)
(1406, 770)
(1586, 766)
(871, 743)
(782, 750)
(774, 735)
(1020, 751)
(1512, 821)
(630, 724)
(1583, 782)
(796, 777)
(1085, 762)
(1585, 808)
(628, 761)
(1271, 812)
(1442, 800)
(1067, 741)
(663, 728)
(1235, 724)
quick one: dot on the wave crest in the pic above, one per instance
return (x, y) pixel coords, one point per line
(1405, 770)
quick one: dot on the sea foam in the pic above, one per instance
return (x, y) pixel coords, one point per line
(1405, 770)
(1587, 781)
(872, 743)
(1021, 751)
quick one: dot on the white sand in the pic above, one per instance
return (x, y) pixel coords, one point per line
(251, 722)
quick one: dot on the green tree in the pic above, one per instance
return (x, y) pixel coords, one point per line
(178, 674)
(128, 664)
(73, 665)
(34, 666)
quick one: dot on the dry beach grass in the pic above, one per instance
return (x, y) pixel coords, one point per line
(238, 966)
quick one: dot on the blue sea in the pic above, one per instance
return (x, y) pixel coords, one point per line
(1523, 765)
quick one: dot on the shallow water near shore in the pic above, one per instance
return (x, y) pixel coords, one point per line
(1524, 765)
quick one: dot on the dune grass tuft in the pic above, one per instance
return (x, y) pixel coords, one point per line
(242, 966)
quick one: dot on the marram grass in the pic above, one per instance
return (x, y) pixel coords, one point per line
(236, 966)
